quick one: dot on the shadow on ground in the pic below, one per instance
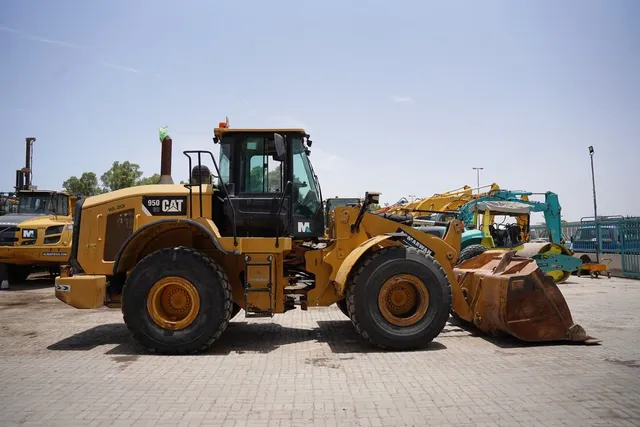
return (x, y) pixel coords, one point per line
(239, 337)
(32, 284)
(504, 340)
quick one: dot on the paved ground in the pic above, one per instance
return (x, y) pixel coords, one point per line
(61, 366)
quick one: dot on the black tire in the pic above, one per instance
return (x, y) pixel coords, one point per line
(363, 290)
(342, 305)
(585, 259)
(214, 291)
(234, 312)
(18, 273)
(471, 251)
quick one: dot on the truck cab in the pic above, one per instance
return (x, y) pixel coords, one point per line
(37, 233)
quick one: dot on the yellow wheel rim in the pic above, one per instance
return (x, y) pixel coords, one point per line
(173, 303)
(558, 276)
(403, 300)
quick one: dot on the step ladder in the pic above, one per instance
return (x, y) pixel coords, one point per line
(258, 285)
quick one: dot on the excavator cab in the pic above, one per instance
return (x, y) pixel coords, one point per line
(271, 189)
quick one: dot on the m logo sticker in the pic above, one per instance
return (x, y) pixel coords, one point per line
(28, 234)
(304, 227)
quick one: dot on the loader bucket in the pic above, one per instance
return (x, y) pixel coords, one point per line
(508, 294)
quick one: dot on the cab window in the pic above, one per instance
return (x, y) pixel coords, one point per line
(62, 207)
(306, 198)
(261, 172)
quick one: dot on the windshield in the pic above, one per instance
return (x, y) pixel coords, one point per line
(308, 198)
(35, 204)
(225, 164)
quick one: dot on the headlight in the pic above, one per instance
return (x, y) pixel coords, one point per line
(56, 229)
(70, 227)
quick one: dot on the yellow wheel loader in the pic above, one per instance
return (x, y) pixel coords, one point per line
(37, 232)
(182, 260)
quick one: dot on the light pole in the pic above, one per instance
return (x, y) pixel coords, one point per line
(595, 206)
(478, 175)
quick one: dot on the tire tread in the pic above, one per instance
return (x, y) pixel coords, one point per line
(352, 289)
(223, 281)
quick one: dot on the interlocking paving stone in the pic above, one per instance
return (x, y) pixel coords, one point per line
(68, 367)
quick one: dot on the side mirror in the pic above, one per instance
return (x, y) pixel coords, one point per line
(372, 198)
(281, 147)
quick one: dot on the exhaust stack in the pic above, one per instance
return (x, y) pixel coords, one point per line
(165, 160)
(24, 175)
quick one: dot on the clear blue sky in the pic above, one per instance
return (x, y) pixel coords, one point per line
(400, 97)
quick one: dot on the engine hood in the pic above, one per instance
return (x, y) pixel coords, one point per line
(15, 219)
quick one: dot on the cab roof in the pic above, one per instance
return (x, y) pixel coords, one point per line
(37, 191)
(219, 132)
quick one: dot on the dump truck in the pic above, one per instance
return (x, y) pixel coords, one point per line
(37, 232)
(180, 261)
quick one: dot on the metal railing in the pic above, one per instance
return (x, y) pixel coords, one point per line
(609, 235)
(190, 186)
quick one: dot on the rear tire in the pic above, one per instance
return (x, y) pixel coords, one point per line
(207, 293)
(471, 251)
(426, 276)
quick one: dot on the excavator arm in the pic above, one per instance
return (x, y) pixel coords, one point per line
(553, 258)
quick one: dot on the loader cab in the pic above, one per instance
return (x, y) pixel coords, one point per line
(267, 182)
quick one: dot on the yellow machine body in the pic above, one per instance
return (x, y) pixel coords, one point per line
(115, 225)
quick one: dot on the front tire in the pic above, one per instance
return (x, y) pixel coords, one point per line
(177, 301)
(342, 305)
(471, 251)
(399, 299)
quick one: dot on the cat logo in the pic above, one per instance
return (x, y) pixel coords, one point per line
(172, 205)
(164, 205)
(304, 227)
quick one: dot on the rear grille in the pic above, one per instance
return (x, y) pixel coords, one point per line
(8, 235)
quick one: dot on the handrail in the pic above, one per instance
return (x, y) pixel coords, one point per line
(215, 164)
(287, 187)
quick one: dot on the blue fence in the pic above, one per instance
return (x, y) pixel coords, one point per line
(613, 235)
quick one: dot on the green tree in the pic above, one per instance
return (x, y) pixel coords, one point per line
(153, 179)
(86, 185)
(257, 179)
(121, 175)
